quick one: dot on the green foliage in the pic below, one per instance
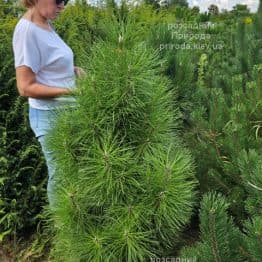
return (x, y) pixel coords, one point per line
(179, 3)
(78, 27)
(240, 10)
(126, 184)
(214, 100)
(250, 165)
(213, 9)
(22, 166)
(253, 229)
(225, 114)
(22, 171)
(256, 47)
(221, 240)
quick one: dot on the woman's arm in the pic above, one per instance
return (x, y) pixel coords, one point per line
(28, 87)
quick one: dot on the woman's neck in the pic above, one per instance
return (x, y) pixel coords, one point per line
(34, 15)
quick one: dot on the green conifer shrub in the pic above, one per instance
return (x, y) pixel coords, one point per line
(250, 165)
(125, 181)
(226, 114)
(252, 238)
(220, 240)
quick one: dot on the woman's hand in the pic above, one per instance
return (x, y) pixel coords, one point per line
(79, 71)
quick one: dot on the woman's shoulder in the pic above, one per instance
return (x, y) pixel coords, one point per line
(24, 27)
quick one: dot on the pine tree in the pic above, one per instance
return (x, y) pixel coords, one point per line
(250, 164)
(252, 238)
(256, 41)
(183, 3)
(226, 113)
(125, 181)
(229, 133)
(220, 239)
(213, 9)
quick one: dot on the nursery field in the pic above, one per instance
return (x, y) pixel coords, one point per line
(161, 159)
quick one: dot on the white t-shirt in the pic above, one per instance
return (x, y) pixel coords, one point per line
(49, 57)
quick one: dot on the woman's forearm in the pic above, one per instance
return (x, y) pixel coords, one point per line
(37, 90)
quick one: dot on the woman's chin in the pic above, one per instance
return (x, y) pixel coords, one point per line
(53, 17)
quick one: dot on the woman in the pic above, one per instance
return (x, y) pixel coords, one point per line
(45, 71)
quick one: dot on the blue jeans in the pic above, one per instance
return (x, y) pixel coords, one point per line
(41, 122)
